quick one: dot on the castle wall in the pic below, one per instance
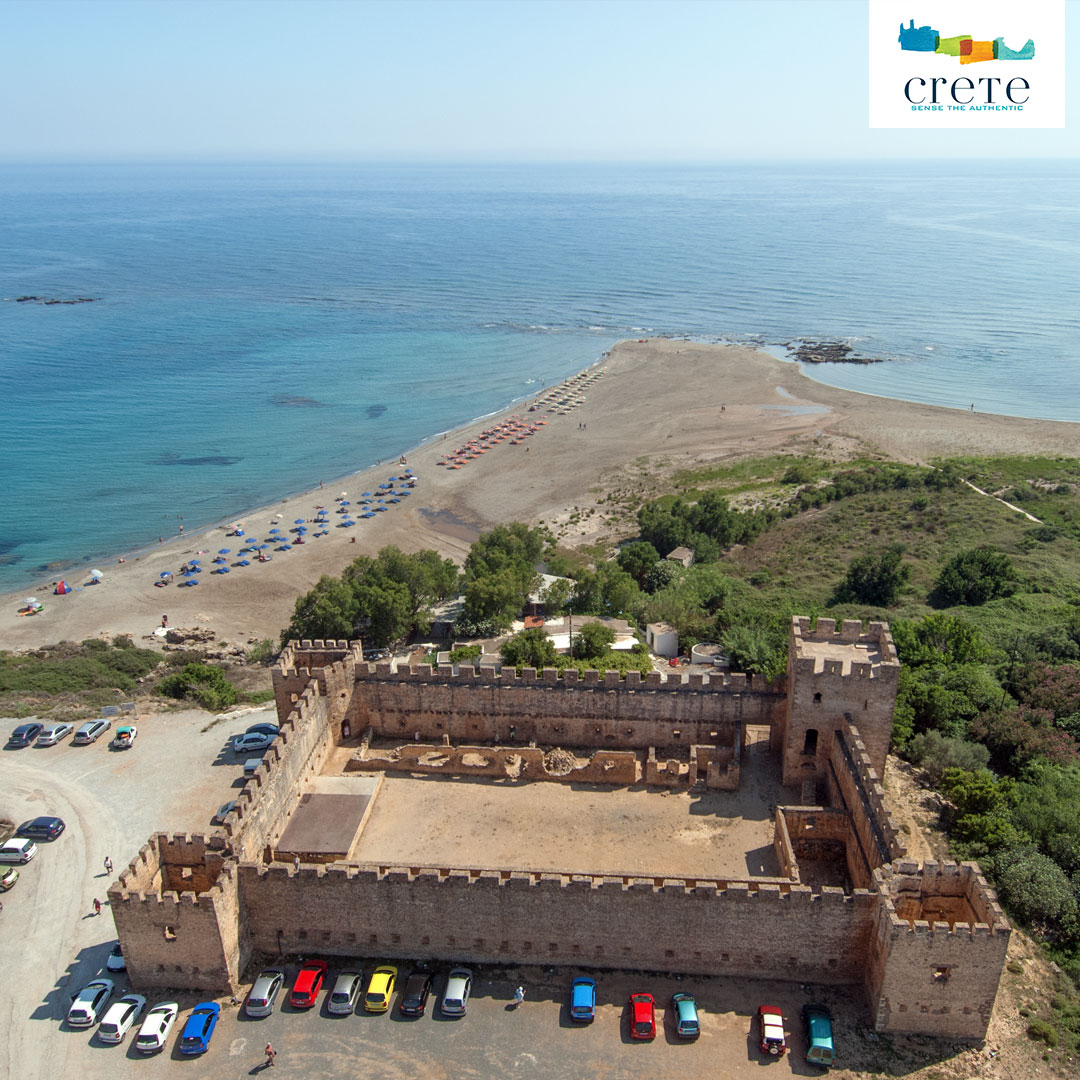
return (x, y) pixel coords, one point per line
(854, 786)
(937, 977)
(596, 711)
(661, 924)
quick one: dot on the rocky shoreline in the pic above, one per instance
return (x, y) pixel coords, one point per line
(827, 352)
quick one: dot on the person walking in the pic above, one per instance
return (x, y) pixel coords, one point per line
(164, 621)
(97, 906)
(271, 1053)
(108, 865)
(519, 995)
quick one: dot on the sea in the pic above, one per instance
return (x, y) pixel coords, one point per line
(257, 328)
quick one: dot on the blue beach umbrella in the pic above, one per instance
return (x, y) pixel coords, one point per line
(274, 532)
(244, 562)
(383, 487)
(193, 581)
(366, 494)
(299, 521)
(194, 562)
(165, 573)
(404, 494)
(223, 551)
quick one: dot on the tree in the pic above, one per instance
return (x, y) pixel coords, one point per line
(496, 597)
(938, 639)
(556, 595)
(982, 809)
(661, 574)
(500, 572)
(637, 559)
(530, 648)
(873, 579)
(751, 651)
(946, 699)
(592, 640)
(973, 577)
(1037, 892)
(327, 612)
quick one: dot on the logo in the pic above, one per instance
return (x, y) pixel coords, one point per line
(923, 77)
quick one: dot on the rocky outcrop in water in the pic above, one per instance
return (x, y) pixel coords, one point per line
(48, 301)
(827, 352)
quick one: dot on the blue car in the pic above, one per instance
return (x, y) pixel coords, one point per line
(684, 1008)
(583, 1001)
(195, 1038)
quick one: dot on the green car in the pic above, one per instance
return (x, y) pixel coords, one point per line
(8, 878)
(817, 1022)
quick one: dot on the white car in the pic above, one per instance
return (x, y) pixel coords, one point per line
(121, 1015)
(155, 1029)
(89, 1002)
(17, 850)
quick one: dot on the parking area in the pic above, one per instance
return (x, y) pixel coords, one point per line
(179, 771)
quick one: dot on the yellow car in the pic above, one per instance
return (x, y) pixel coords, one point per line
(380, 989)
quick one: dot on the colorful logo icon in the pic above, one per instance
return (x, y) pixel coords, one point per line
(926, 39)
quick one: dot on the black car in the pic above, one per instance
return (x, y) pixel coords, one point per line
(414, 997)
(41, 828)
(263, 729)
(24, 734)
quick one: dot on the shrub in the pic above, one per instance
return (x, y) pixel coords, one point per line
(203, 684)
(973, 577)
(873, 579)
(934, 753)
(1040, 1029)
(262, 652)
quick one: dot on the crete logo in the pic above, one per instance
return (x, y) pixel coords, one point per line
(925, 39)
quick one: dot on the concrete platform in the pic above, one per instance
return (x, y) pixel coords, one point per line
(329, 819)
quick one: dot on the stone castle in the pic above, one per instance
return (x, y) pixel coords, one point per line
(282, 876)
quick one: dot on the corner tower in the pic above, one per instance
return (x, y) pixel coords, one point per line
(833, 673)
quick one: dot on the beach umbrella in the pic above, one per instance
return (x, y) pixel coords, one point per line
(299, 521)
(302, 529)
(274, 532)
(244, 562)
(165, 573)
(194, 562)
(383, 487)
(366, 494)
(96, 574)
(193, 581)
(223, 551)
(345, 502)
(30, 600)
(220, 559)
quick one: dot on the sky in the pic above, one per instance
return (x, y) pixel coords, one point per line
(457, 80)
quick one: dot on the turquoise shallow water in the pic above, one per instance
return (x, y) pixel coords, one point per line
(261, 328)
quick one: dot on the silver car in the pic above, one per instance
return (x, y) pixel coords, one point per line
(346, 990)
(89, 1002)
(121, 1015)
(51, 734)
(455, 997)
(91, 731)
(264, 993)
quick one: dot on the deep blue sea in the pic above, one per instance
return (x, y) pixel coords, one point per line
(259, 328)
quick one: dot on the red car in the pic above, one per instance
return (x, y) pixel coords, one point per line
(308, 983)
(771, 1025)
(642, 1016)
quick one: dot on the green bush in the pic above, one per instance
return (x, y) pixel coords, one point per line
(973, 577)
(1040, 1029)
(262, 652)
(203, 684)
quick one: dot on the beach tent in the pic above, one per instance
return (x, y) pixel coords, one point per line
(62, 588)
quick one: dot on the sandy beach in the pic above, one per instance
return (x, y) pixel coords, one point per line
(675, 403)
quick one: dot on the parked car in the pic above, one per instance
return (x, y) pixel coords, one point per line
(24, 735)
(264, 992)
(199, 1028)
(583, 1001)
(155, 1029)
(256, 740)
(346, 990)
(380, 989)
(91, 731)
(642, 1016)
(125, 736)
(41, 828)
(309, 980)
(89, 1003)
(121, 1015)
(263, 729)
(414, 997)
(455, 999)
(223, 812)
(817, 1023)
(8, 878)
(51, 734)
(684, 1008)
(17, 850)
(116, 961)
(771, 1030)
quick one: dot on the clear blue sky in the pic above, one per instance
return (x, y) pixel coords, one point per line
(106, 80)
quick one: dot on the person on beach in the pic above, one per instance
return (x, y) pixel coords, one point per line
(270, 1053)
(108, 865)
(181, 530)
(164, 621)
(97, 906)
